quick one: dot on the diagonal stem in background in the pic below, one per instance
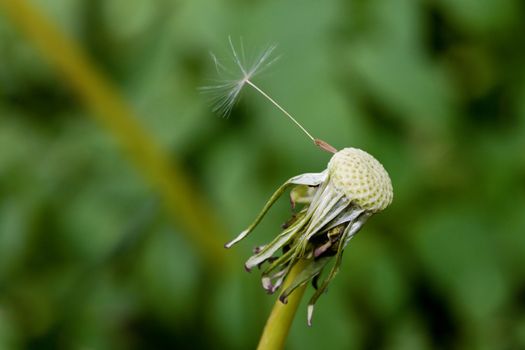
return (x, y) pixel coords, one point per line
(182, 201)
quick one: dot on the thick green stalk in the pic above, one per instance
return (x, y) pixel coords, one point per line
(278, 324)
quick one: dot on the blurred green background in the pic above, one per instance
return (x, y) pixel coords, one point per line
(89, 258)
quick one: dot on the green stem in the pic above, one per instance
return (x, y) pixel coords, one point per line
(278, 324)
(181, 198)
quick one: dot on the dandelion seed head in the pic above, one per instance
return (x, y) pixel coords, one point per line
(361, 178)
(337, 203)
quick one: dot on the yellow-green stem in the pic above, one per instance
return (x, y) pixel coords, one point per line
(278, 324)
(181, 198)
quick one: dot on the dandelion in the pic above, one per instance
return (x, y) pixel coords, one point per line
(337, 202)
(330, 206)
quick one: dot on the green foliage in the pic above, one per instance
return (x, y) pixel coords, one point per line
(435, 90)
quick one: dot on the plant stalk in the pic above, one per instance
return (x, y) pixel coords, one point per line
(181, 198)
(278, 324)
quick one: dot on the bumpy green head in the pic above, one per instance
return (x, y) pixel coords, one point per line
(361, 178)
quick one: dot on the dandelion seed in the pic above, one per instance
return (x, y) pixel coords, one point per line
(226, 93)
